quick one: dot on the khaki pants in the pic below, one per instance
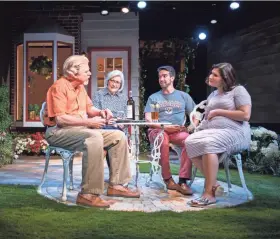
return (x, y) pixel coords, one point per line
(92, 142)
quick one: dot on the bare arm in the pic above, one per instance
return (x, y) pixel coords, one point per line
(93, 111)
(69, 120)
(242, 113)
(106, 114)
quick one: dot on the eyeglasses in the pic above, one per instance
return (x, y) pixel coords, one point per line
(115, 82)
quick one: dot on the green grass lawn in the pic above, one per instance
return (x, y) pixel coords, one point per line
(25, 214)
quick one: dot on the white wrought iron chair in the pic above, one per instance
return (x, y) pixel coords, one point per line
(155, 167)
(199, 116)
(67, 157)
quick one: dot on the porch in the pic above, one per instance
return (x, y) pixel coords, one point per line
(29, 169)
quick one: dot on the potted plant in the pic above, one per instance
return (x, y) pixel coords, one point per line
(36, 108)
(31, 112)
(41, 65)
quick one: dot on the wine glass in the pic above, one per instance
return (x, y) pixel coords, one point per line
(120, 115)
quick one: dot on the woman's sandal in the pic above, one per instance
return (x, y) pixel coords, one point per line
(200, 202)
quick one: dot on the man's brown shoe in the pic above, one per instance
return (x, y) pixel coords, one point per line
(122, 192)
(92, 201)
(185, 189)
(171, 185)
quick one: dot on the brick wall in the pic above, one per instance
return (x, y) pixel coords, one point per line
(255, 54)
(65, 15)
(5, 46)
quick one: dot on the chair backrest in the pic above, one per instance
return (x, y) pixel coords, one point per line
(42, 112)
(195, 114)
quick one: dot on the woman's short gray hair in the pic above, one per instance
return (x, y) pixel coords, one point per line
(72, 64)
(112, 74)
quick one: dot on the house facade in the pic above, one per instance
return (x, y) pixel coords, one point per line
(112, 42)
(42, 41)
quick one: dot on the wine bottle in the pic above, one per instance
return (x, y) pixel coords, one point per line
(130, 107)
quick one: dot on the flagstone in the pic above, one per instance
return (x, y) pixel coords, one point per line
(28, 171)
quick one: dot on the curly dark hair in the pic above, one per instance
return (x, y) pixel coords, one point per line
(227, 73)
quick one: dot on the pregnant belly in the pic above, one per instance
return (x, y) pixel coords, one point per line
(220, 122)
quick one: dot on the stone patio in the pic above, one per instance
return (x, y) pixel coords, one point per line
(28, 171)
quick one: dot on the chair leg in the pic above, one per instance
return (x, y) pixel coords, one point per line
(150, 178)
(240, 171)
(226, 165)
(71, 187)
(48, 153)
(65, 176)
(194, 170)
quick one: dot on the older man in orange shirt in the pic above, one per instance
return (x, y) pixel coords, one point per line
(75, 124)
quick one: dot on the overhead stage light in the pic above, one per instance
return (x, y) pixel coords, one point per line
(141, 4)
(104, 12)
(125, 9)
(202, 36)
(104, 9)
(213, 21)
(234, 5)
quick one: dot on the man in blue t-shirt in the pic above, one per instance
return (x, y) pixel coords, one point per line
(172, 105)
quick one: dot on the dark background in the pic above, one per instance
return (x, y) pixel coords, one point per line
(249, 38)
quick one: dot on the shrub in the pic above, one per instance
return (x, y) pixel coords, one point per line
(6, 149)
(264, 152)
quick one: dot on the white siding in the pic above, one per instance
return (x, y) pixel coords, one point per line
(114, 30)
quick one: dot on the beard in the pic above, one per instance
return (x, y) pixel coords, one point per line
(165, 85)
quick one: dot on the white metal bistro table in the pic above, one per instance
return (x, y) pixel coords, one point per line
(155, 167)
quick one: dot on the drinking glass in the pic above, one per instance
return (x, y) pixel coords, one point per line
(155, 112)
(120, 115)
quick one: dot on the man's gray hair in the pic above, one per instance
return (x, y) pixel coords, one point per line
(72, 64)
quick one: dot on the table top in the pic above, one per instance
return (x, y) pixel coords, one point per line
(141, 122)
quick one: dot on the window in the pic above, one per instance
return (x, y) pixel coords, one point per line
(39, 76)
(105, 65)
(35, 64)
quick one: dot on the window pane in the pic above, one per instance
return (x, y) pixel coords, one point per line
(118, 64)
(39, 77)
(109, 64)
(100, 82)
(100, 65)
(64, 50)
